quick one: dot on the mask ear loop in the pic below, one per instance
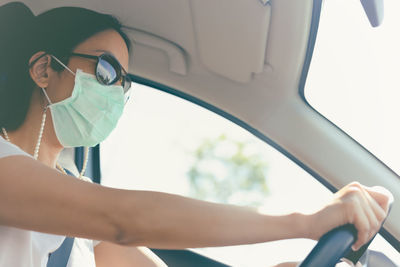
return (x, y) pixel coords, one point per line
(62, 64)
(47, 97)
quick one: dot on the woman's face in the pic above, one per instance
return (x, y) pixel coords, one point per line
(61, 84)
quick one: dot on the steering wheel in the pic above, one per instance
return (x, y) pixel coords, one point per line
(331, 247)
(335, 245)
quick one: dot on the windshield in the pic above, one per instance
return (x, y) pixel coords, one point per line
(167, 142)
(354, 76)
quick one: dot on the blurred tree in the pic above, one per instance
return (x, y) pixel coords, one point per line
(227, 171)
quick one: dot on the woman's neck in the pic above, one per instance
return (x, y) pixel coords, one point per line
(26, 136)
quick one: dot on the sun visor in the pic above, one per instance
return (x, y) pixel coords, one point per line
(231, 39)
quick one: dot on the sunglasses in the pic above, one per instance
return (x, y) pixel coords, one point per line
(108, 70)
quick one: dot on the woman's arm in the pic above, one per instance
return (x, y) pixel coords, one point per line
(35, 197)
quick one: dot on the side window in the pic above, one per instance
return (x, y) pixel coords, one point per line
(353, 78)
(165, 143)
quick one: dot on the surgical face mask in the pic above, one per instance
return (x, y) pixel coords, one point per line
(90, 114)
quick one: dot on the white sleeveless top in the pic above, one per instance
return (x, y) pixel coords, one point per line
(23, 248)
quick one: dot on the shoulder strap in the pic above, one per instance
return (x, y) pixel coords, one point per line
(60, 257)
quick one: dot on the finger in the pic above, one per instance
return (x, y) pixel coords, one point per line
(379, 212)
(361, 222)
(357, 211)
(368, 206)
(381, 195)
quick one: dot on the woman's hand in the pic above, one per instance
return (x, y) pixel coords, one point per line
(365, 207)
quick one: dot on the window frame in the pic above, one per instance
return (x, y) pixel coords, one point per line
(166, 89)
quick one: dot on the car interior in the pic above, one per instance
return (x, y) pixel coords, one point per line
(248, 62)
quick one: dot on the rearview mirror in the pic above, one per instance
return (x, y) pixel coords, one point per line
(374, 10)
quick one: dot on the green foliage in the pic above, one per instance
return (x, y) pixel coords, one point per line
(225, 171)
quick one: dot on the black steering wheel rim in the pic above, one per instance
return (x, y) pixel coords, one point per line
(331, 247)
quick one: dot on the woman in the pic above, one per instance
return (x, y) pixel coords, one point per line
(63, 84)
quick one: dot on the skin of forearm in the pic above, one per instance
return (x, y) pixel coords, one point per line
(39, 198)
(161, 220)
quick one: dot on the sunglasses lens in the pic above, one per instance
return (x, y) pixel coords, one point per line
(106, 72)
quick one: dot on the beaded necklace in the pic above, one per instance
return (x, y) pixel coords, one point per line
(37, 147)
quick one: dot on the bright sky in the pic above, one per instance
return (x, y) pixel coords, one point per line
(353, 81)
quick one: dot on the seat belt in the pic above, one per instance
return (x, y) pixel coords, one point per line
(60, 257)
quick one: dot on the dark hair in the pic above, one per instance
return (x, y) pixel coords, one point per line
(57, 31)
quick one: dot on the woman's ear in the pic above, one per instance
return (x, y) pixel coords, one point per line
(40, 70)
